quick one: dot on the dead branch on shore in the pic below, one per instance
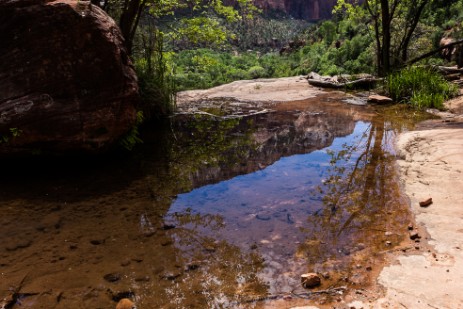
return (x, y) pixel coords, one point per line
(355, 84)
(435, 51)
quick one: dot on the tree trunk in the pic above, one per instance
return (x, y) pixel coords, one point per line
(386, 38)
(414, 19)
(129, 19)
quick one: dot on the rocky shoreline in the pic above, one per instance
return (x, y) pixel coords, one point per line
(431, 166)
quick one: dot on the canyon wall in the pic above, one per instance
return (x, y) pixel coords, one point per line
(311, 10)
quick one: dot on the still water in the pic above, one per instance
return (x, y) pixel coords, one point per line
(209, 212)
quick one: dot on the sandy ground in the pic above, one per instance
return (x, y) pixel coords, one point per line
(431, 165)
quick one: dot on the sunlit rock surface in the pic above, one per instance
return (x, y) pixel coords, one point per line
(67, 83)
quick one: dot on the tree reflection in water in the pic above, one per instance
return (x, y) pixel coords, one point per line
(363, 211)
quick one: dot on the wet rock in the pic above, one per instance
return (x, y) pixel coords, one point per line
(379, 99)
(414, 235)
(209, 249)
(74, 89)
(121, 295)
(326, 275)
(168, 227)
(310, 280)
(170, 275)
(125, 303)
(192, 266)
(166, 242)
(19, 244)
(142, 279)
(289, 219)
(149, 233)
(263, 217)
(97, 242)
(125, 263)
(113, 277)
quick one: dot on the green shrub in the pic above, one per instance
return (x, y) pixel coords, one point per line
(256, 72)
(420, 87)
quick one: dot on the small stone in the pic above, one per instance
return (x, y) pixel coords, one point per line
(326, 275)
(168, 227)
(191, 266)
(426, 203)
(414, 235)
(263, 217)
(287, 297)
(142, 279)
(310, 280)
(388, 234)
(375, 98)
(113, 277)
(166, 242)
(368, 268)
(125, 303)
(410, 227)
(149, 233)
(121, 295)
(125, 263)
(388, 243)
(170, 275)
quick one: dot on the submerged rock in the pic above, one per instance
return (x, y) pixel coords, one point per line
(310, 280)
(67, 82)
(125, 303)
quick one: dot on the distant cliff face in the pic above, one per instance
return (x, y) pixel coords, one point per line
(300, 9)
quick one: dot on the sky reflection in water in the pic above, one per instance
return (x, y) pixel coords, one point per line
(267, 210)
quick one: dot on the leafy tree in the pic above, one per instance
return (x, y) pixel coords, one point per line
(388, 20)
(198, 19)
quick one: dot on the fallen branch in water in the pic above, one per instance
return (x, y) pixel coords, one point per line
(329, 291)
(232, 116)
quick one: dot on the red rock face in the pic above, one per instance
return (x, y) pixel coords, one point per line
(66, 80)
(300, 9)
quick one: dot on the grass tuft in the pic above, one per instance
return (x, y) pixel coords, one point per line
(420, 87)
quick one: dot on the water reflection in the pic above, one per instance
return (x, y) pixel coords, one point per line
(207, 213)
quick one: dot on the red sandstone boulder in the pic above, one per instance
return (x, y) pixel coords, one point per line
(67, 83)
